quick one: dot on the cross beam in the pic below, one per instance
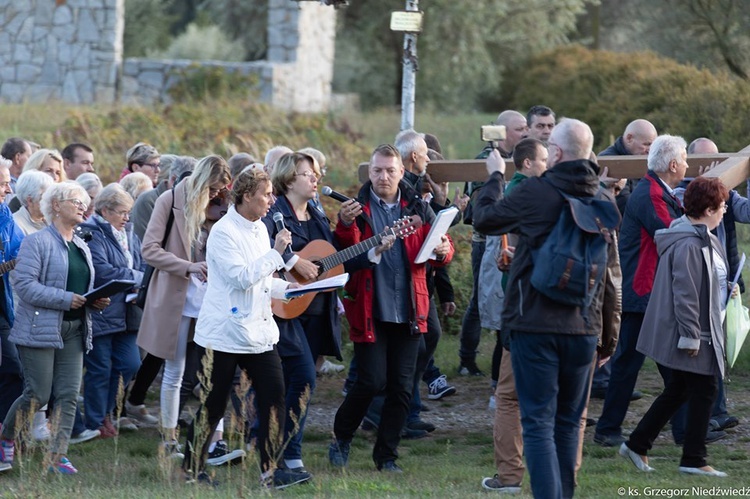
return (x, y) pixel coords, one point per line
(733, 168)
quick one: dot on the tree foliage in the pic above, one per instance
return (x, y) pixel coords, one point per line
(607, 90)
(707, 33)
(462, 52)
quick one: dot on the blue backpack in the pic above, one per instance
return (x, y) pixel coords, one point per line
(570, 264)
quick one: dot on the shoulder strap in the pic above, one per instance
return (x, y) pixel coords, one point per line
(170, 221)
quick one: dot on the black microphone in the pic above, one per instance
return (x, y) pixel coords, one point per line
(327, 191)
(278, 219)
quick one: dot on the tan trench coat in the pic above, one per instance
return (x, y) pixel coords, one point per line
(169, 284)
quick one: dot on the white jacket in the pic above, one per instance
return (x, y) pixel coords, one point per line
(236, 314)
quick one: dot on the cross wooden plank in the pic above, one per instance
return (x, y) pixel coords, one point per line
(733, 168)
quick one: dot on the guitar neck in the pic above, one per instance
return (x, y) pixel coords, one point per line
(344, 255)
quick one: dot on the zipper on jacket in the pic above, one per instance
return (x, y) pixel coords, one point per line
(520, 298)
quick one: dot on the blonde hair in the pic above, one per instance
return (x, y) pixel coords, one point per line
(37, 160)
(209, 170)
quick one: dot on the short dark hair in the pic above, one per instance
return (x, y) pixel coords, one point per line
(69, 152)
(704, 193)
(526, 149)
(238, 162)
(538, 110)
(13, 146)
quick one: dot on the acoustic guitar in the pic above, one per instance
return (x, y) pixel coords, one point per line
(331, 262)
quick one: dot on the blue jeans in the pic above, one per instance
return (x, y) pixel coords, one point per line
(471, 326)
(552, 374)
(299, 376)
(626, 364)
(114, 356)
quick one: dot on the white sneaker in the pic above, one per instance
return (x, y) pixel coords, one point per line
(328, 367)
(493, 404)
(140, 413)
(40, 431)
(6, 466)
(84, 436)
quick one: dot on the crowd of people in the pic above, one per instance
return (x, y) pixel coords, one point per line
(215, 245)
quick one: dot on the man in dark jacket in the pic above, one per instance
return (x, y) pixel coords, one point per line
(553, 346)
(652, 206)
(386, 305)
(635, 140)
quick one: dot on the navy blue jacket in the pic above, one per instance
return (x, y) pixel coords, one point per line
(291, 333)
(110, 263)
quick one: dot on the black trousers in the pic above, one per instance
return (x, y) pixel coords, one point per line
(387, 364)
(699, 390)
(264, 371)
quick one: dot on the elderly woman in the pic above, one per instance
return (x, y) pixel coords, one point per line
(682, 328)
(29, 189)
(114, 359)
(93, 185)
(143, 158)
(136, 184)
(317, 331)
(236, 324)
(53, 324)
(179, 281)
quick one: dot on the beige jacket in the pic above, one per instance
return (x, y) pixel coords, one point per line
(169, 284)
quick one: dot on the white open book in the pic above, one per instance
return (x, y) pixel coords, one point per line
(440, 226)
(328, 284)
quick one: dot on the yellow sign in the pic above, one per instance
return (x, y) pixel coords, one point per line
(407, 21)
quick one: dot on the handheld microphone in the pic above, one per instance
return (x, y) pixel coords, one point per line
(327, 191)
(278, 219)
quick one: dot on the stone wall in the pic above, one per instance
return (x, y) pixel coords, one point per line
(72, 51)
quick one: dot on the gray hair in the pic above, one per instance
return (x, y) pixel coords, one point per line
(32, 184)
(574, 138)
(274, 154)
(180, 165)
(407, 142)
(59, 192)
(91, 182)
(136, 183)
(663, 150)
(140, 154)
(238, 162)
(165, 161)
(113, 197)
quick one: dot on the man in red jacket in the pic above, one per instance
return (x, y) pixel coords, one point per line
(386, 305)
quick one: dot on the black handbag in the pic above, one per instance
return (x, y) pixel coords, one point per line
(140, 300)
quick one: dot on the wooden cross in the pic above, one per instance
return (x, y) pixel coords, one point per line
(733, 168)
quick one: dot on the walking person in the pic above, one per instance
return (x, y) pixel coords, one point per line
(682, 328)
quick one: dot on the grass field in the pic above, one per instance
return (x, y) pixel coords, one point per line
(449, 463)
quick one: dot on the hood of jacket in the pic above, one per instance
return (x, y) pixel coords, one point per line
(680, 228)
(578, 178)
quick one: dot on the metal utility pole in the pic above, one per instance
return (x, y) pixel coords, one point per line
(409, 22)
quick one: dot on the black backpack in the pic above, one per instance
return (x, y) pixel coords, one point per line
(570, 264)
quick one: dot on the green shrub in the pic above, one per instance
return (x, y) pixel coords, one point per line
(607, 90)
(201, 43)
(201, 83)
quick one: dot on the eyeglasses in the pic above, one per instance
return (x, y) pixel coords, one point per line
(78, 203)
(308, 174)
(155, 166)
(121, 213)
